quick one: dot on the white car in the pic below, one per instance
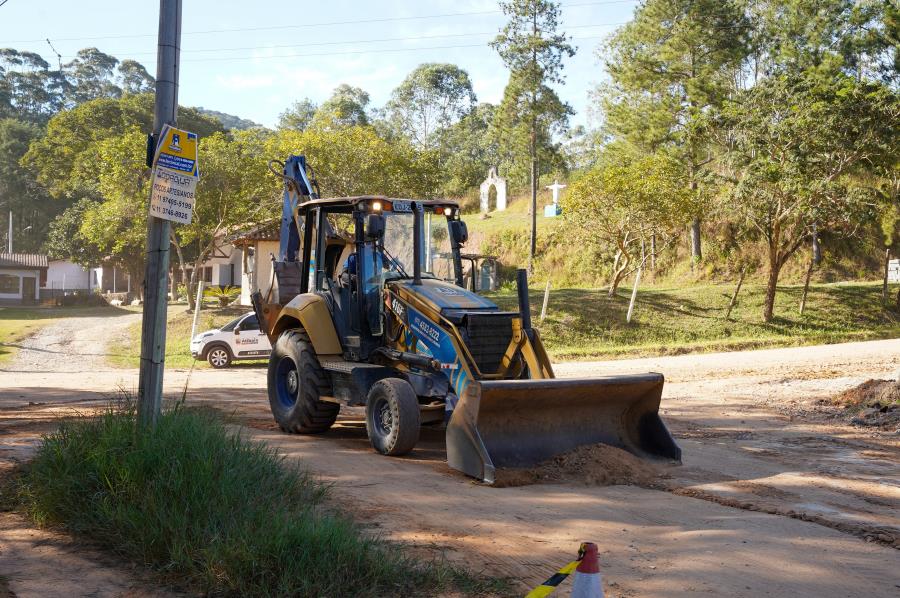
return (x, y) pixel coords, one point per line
(240, 338)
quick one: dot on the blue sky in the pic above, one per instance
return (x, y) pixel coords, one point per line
(253, 59)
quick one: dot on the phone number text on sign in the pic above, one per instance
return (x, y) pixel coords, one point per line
(172, 195)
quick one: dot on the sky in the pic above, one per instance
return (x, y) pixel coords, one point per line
(254, 59)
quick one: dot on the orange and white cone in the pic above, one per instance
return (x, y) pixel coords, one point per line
(587, 582)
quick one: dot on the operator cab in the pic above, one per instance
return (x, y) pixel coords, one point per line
(366, 243)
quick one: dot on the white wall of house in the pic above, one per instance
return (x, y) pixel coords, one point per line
(63, 274)
(12, 285)
(227, 266)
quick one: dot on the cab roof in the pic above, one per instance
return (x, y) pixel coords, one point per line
(352, 201)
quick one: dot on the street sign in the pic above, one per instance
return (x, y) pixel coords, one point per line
(893, 271)
(175, 175)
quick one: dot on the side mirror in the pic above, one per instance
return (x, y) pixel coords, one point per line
(459, 232)
(374, 227)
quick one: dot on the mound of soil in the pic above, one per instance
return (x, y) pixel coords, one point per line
(872, 403)
(592, 465)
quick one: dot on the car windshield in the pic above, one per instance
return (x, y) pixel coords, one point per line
(230, 325)
(398, 246)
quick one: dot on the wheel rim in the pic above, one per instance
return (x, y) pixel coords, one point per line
(218, 357)
(287, 381)
(384, 418)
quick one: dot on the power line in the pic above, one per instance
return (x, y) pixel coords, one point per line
(356, 41)
(2, 2)
(370, 51)
(321, 24)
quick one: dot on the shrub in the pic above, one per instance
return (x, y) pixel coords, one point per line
(212, 510)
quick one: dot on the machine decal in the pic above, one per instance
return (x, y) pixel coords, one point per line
(430, 339)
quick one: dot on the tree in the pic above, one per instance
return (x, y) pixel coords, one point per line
(19, 193)
(670, 65)
(345, 108)
(29, 90)
(236, 188)
(299, 116)
(429, 100)
(799, 151)
(470, 150)
(64, 160)
(531, 112)
(134, 78)
(91, 75)
(354, 161)
(623, 201)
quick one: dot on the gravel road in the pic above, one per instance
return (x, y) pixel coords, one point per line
(771, 500)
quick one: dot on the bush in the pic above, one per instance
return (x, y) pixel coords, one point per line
(209, 509)
(224, 295)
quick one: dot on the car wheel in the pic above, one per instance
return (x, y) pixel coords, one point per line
(392, 417)
(295, 383)
(219, 357)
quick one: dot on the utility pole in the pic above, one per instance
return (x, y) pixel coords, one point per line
(10, 231)
(153, 328)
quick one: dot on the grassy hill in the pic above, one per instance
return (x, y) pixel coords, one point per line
(587, 324)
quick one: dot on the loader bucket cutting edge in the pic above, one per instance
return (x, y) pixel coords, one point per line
(520, 423)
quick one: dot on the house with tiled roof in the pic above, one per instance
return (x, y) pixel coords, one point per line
(21, 277)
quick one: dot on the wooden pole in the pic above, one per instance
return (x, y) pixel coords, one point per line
(637, 281)
(153, 326)
(546, 301)
(812, 262)
(197, 305)
(734, 296)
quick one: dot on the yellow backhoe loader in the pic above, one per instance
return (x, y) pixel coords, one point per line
(368, 307)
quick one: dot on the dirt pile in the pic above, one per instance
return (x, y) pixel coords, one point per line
(872, 403)
(592, 465)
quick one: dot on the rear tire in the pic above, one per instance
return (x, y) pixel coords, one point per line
(392, 417)
(295, 383)
(219, 357)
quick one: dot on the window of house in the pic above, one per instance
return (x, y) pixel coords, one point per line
(9, 284)
(207, 274)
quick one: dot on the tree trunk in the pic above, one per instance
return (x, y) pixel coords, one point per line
(653, 253)
(533, 244)
(192, 299)
(734, 296)
(696, 250)
(884, 285)
(771, 287)
(812, 263)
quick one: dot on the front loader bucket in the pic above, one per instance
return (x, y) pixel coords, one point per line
(520, 423)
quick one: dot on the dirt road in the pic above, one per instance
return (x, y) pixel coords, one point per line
(773, 498)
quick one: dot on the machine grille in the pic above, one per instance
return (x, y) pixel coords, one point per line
(487, 336)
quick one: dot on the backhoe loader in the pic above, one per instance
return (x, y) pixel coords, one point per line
(370, 309)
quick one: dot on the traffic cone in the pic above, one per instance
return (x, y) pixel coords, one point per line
(587, 583)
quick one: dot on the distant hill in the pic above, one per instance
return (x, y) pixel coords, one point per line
(229, 121)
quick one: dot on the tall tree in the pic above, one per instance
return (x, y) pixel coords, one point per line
(134, 78)
(531, 112)
(346, 107)
(299, 116)
(669, 66)
(429, 100)
(29, 90)
(92, 75)
(19, 194)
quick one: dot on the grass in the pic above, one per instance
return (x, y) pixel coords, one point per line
(18, 323)
(127, 351)
(215, 513)
(586, 324)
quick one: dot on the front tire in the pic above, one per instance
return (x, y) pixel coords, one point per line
(219, 357)
(392, 417)
(295, 383)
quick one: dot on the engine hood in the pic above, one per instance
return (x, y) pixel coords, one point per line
(444, 296)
